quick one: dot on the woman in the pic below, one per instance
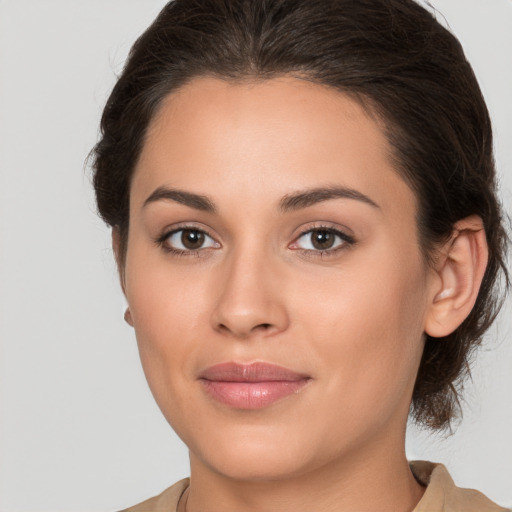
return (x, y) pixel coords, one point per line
(305, 222)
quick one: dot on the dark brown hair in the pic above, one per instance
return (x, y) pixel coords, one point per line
(398, 61)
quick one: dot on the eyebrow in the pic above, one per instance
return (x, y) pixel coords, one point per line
(289, 202)
(299, 200)
(197, 201)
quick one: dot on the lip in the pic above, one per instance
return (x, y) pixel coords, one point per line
(251, 386)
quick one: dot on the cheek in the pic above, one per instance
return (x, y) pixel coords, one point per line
(166, 300)
(168, 310)
(366, 324)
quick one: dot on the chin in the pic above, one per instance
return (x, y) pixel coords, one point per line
(254, 455)
(260, 465)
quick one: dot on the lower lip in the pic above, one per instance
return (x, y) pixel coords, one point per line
(252, 395)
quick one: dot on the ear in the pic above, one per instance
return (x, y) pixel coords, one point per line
(116, 248)
(457, 277)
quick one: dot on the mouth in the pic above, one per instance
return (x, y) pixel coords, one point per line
(251, 386)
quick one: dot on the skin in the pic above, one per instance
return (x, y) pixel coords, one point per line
(353, 319)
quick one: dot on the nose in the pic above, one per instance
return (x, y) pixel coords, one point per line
(251, 298)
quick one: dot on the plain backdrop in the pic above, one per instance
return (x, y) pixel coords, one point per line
(79, 430)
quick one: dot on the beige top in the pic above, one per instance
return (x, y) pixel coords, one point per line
(441, 495)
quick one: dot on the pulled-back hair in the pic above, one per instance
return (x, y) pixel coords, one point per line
(390, 55)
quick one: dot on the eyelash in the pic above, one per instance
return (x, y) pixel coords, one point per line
(161, 242)
(346, 239)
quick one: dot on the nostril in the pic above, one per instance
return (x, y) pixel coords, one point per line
(223, 327)
(244, 333)
(264, 327)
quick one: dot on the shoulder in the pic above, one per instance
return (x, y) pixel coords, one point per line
(442, 495)
(167, 501)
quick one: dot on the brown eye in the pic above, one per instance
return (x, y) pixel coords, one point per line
(192, 238)
(322, 239)
(188, 240)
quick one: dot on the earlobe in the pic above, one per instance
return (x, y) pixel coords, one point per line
(459, 273)
(128, 317)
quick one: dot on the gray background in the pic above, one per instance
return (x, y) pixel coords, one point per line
(79, 430)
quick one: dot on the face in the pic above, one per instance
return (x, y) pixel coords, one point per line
(274, 277)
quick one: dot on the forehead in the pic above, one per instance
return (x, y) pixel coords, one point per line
(270, 136)
(259, 108)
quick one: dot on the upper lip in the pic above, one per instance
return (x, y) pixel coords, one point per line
(253, 372)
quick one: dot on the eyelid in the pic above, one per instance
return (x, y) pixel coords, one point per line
(170, 231)
(347, 240)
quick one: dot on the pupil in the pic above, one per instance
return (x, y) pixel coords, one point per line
(322, 239)
(192, 239)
